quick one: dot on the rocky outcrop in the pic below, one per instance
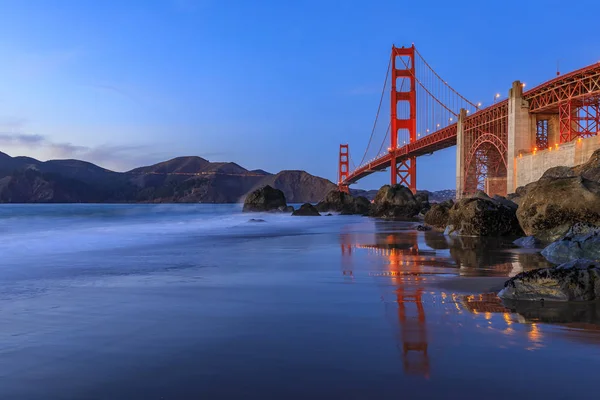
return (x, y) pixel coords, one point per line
(562, 197)
(344, 203)
(437, 216)
(286, 209)
(396, 202)
(482, 216)
(581, 241)
(552, 205)
(264, 199)
(307, 210)
(577, 280)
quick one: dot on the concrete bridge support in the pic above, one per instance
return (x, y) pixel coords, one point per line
(521, 132)
(460, 154)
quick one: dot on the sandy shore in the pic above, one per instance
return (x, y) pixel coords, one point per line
(471, 284)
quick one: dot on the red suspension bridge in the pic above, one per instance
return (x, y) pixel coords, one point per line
(426, 115)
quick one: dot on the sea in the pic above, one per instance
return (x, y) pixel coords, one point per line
(197, 301)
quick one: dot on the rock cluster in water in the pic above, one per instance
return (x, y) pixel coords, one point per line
(307, 210)
(267, 199)
(481, 215)
(562, 210)
(398, 202)
(344, 203)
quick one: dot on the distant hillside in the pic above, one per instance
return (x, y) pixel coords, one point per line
(180, 180)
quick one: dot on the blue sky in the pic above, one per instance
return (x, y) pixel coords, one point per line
(267, 84)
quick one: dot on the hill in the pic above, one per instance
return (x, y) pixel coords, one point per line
(180, 180)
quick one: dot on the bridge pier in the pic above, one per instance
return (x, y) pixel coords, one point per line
(460, 155)
(521, 132)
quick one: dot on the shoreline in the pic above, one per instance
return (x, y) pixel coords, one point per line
(471, 285)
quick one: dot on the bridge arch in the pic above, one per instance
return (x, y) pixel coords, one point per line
(486, 159)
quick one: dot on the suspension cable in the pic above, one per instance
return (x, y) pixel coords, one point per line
(378, 110)
(440, 78)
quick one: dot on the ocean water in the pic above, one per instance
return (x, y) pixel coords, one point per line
(197, 302)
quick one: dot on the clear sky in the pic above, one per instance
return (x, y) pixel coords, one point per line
(267, 84)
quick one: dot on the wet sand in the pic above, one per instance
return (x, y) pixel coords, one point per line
(471, 284)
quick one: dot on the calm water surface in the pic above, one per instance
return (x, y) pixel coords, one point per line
(194, 301)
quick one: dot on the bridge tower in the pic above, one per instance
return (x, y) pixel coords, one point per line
(343, 168)
(403, 115)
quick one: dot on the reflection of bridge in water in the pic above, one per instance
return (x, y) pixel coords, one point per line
(410, 267)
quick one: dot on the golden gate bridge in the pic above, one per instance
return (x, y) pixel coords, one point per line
(426, 114)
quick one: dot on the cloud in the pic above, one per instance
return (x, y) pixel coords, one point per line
(118, 157)
(20, 139)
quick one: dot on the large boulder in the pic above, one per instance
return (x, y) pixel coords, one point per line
(264, 199)
(307, 210)
(581, 241)
(577, 280)
(482, 216)
(562, 197)
(552, 205)
(344, 203)
(396, 202)
(437, 216)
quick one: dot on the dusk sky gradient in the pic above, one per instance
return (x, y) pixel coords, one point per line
(267, 84)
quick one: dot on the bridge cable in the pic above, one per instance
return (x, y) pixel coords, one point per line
(384, 139)
(378, 110)
(427, 90)
(440, 78)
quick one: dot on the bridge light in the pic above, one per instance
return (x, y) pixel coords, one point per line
(468, 111)
(479, 104)
(427, 130)
(497, 95)
(438, 125)
(523, 84)
(450, 119)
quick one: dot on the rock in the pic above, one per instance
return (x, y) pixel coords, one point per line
(344, 203)
(307, 210)
(581, 241)
(422, 228)
(562, 197)
(528, 242)
(328, 214)
(256, 220)
(264, 199)
(362, 205)
(577, 280)
(438, 215)
(482, 216)
(422, 197)
(286, 209)
(395, 202)
(505, 202)
(552, 205)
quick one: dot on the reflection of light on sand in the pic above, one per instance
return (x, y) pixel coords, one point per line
(535, 335)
